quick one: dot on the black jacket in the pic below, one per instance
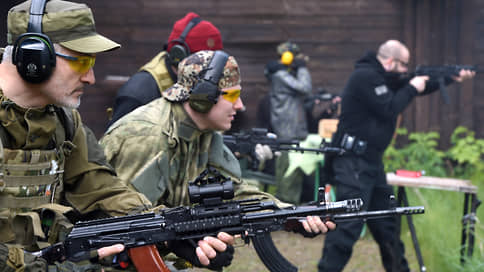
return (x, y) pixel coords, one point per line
(370, 105)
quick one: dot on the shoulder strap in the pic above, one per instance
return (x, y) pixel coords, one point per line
(4, 137)
(67, 120)
(158, 69)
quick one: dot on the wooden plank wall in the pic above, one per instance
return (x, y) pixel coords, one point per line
(476, 29)
(445, 32)
(333, 33)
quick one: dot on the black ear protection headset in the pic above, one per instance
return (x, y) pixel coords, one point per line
(33, 52)
(180, 50)
(205, 93)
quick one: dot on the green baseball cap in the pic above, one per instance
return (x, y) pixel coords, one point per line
(67, 23)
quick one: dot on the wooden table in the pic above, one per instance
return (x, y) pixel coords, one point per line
(471, 202)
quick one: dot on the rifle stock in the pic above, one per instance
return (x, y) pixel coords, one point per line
(147, 259)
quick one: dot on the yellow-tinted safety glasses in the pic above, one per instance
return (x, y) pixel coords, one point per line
(231, 94)
(80, 64)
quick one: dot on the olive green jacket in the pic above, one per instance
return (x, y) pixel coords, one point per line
(159, 149)
(90, 184)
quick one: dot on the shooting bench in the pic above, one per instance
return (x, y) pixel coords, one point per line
(471, 202)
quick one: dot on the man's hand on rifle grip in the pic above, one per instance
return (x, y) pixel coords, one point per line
(419, 82)
(110, 250)
(209, 247)
(314, 224)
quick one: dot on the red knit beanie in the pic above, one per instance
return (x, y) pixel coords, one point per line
(203, 36)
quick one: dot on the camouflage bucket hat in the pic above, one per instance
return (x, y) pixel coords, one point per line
(190, 72)
(67, 23)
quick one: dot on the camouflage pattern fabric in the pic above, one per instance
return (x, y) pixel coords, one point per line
(191, 69)
(67, 23)
(89, 184)
(171, 139)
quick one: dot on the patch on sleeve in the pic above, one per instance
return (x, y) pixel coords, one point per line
(380, 90)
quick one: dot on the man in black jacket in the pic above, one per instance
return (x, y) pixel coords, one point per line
(375, 94)
(190, 34)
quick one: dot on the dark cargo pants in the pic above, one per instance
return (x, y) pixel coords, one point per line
(357, 178)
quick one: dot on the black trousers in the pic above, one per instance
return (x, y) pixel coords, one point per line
(358, 178)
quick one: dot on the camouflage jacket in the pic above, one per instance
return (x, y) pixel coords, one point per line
(88, 184)
(159, 149)
(288, 116)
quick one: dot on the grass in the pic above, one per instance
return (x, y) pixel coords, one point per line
(305, 254)
(439, 233)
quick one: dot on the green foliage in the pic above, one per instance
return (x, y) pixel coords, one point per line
(439, 230)
(420, 154)
(466, 153)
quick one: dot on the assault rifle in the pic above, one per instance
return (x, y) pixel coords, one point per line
(213, 211)
(440, 73)
(244, 143)
(321, 95)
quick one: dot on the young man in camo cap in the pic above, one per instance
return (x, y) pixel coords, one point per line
(180, 138)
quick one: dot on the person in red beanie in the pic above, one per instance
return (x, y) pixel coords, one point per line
(189, 35)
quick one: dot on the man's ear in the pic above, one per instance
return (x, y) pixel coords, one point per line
(388, 64)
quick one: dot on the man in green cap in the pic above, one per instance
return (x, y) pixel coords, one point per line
(52, 168)
(163, 145)
(53, 171)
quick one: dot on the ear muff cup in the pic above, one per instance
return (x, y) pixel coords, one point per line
(287, 58)
(178, 51)
(33, 52)
(34, 57)
(205, 93)
(204, 96)
(181, 50)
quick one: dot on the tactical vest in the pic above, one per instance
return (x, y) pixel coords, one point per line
(31, 183)
(157, 68)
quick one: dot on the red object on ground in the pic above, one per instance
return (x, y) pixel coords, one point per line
(408, 173)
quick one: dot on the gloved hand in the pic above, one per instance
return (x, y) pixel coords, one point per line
(297, 63)
(272, 67)
(263, 153)
(273, 136)
(186, 250)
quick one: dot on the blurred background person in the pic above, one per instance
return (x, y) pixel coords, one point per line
(190, 34)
